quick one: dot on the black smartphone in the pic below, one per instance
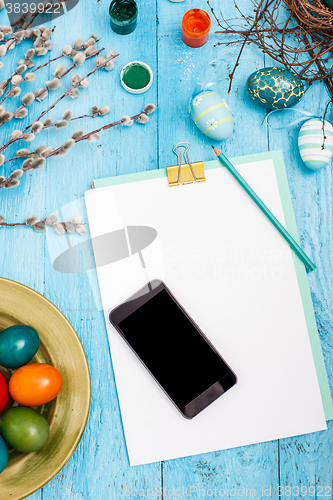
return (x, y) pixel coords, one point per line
(173, 348)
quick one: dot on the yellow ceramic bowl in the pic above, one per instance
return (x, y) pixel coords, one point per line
(68, 413)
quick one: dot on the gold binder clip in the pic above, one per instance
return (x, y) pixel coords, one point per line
(185, 174)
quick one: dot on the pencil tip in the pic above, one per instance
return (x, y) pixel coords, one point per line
(217, 152)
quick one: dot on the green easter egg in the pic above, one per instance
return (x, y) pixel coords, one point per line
(24, 429)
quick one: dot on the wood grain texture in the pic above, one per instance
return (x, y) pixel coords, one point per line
(99, 468)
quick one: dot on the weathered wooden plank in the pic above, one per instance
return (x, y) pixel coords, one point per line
(180, 67)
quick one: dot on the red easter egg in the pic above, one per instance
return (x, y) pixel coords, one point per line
(4, 396)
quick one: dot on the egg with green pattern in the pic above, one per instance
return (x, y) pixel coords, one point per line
(212, 115)
(275, 88)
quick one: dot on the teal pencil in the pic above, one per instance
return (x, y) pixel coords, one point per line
(294, 245)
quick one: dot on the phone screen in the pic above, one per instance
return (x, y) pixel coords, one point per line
(173, 349)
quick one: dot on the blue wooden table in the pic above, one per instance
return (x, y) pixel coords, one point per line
(99, 468)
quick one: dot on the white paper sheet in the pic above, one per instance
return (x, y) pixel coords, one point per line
(234, 274)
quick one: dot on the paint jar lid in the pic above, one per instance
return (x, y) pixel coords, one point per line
(136, 77)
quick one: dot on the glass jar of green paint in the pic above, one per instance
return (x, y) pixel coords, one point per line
(123, 16)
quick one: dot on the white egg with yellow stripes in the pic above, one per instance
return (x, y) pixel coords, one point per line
(316, 152)
(212, 115)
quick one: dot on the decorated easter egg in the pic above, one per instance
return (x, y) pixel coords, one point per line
(24, 429)
(311, 141)
(4, 455)
(18, 345)
(275, 88)
(212, 115)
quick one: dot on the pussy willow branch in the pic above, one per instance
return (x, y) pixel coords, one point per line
(94, 115)
(45, 89)
(5, 85)
(33, 71)
(36, 224)
(79, 139)
(70, 89)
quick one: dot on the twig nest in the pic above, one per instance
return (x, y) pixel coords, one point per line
(2, 159)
